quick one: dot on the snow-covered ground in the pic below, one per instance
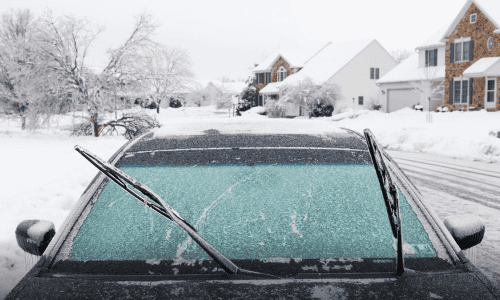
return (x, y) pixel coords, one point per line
(43, 176)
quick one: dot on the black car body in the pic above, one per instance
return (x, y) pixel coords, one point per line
(109, 250)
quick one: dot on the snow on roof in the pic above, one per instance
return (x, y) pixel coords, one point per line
(435, 39)
(329, 61)
(408, 70)
(296, 56)
(270, 89)
(486, 66)
(490, 8)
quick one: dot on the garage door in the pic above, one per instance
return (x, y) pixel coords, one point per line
(398, 99)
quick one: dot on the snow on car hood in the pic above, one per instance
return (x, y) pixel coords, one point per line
(238, 126)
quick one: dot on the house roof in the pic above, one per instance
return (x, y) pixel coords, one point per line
(486, 66)
(271, 89)
(329, 61)
(490, 8)
(435, 39)
(408, 70)
(296, 56)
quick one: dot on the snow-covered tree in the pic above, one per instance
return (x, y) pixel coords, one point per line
(67, 40)
(250, 93)
(26, 77)
(311, 97)
(222, 95)
(164, 70)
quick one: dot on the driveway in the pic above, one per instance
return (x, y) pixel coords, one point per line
(455, 187)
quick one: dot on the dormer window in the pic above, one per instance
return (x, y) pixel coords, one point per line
(281, 73)
(473, 18)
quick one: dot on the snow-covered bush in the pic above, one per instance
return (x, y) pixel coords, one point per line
(316, 99)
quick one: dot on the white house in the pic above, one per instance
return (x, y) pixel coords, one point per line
(398, 87)
(354, 66)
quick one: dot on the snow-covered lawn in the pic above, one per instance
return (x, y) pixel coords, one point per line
(43, 176)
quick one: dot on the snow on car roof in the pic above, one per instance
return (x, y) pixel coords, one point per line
(191, 127)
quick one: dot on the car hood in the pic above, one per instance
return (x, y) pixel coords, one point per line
(436, 286)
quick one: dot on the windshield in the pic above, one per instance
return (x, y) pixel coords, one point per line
(261, 212)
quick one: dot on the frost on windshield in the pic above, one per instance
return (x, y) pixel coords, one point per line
(250, 212)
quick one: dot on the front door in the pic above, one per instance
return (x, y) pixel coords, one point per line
(491, 93)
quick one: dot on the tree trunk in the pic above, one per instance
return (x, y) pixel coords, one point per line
(23, 122)
(95, 126)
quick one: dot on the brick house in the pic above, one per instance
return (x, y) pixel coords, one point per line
(354, 66)
(278, 66)
(473, 57)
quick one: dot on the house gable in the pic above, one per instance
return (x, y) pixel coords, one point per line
(279, 62)
(478, 32)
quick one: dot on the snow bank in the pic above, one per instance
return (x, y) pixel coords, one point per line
(456, 134)
(42, 178)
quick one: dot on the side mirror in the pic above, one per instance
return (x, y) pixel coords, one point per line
(33, 236)
(467, 230)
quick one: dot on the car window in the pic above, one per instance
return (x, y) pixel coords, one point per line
(263, 212)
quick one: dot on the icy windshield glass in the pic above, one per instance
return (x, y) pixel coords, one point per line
(303, 211)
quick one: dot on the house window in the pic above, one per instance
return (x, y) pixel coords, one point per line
(490, 43)
(431, 58)
(491, 91)
(281, 73)
(268, 78)
(462, 50)
(260, 101)
(473, 18)
(460, 91)
(260, 78)
(360, 100)
(374, 73)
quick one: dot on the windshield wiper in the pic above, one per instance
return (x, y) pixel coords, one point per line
(118, 176)
(391, 197)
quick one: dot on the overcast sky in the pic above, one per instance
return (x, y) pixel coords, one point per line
(226, 37)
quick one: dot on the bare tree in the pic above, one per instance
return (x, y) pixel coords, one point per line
(430, 86)
(400, 55)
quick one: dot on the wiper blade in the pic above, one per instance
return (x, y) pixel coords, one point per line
(159, 205)
(390, 194)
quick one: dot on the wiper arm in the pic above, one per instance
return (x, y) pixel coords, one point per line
(390, 194)
(118, 176)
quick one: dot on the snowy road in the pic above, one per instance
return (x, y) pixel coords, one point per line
(455, 187)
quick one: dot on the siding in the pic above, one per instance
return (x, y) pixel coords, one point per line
(479, 32)
(354, 77)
